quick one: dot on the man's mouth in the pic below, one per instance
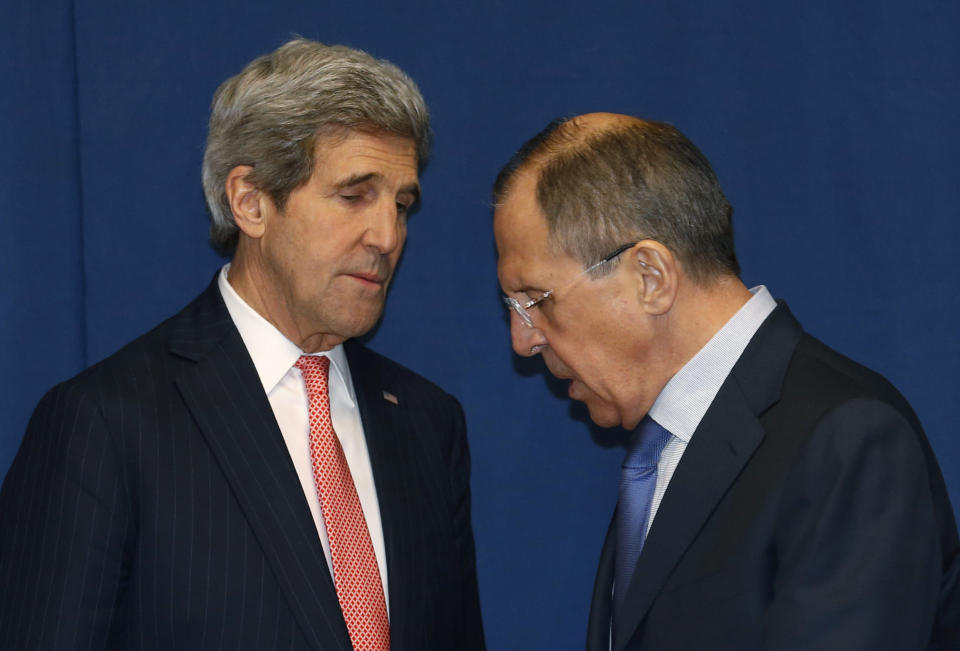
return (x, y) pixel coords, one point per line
(369, 278)
(572, 382)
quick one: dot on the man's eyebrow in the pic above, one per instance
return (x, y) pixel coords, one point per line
(357, 179)
(523, 287)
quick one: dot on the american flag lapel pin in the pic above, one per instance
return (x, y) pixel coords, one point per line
(389, 397)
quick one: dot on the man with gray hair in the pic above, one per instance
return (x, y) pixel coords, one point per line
(245, 475)
(774, 494)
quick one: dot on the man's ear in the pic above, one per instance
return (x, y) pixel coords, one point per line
(245, 202)
(658, 274)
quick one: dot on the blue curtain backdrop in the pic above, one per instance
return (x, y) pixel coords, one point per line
(833, 127)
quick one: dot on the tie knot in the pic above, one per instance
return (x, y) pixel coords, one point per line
(647, 443)
(313, 363)
(314, 368)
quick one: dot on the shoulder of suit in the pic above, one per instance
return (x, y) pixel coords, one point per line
(823, 379)
(135, 358)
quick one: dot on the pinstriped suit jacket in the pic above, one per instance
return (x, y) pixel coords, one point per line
(153, 505)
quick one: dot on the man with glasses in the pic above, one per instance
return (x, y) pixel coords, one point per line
(774, 494)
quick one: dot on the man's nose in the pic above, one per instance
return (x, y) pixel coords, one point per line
(525, 339)
(385, 230)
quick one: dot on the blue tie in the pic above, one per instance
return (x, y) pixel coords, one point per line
(638, 479)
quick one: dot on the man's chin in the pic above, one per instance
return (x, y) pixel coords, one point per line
(602, 415)
(361, 324)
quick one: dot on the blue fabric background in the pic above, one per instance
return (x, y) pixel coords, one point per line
(833, 128)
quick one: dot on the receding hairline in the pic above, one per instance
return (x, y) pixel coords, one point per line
(570, 136)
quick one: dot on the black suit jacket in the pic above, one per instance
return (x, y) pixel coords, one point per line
(807, 512)
(153, 505)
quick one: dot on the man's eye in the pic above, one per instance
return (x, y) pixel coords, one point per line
(533, 298)
(351, 198)
(402, 209)
(541, 299)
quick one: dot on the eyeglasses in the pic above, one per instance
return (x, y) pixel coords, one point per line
(522, 309)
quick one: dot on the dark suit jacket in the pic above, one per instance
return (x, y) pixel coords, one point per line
(807, 512)
(153, 504)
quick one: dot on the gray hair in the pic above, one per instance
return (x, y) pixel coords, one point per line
(602, 188)
(270, 115)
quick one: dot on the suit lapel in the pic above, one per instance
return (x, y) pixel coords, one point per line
(386, 430)
(225, 396)
(724, 441)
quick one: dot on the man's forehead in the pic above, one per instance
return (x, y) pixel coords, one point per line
(525, 257)
(360, 148)
(518, 222)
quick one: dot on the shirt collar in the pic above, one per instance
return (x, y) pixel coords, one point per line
(272, 353)
(685, 399)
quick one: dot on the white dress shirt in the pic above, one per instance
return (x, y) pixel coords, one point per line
(685, 399)
(274, 356)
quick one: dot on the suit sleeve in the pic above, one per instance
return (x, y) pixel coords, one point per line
(63, 526)
(857, 545)
(472, 629)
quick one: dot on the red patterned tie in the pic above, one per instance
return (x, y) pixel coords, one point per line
(355, 571)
